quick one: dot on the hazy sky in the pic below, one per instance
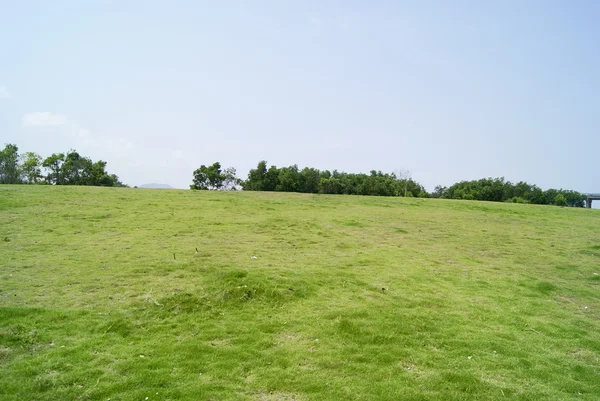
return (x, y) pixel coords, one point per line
(449, 90)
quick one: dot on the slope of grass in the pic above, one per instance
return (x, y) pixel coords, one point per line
(294, 297)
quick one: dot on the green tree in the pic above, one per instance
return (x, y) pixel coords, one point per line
(499, 190)
(439, 192)
(311, 180)
(271, 180)
(10, 171)
(54, 163)
(113, 181)
(31, 167)
(308, 180)
(536, 196)
(574, 198)
(256, 177)
(96, 174)
(208, 177)
(550, 195)
(522, 190)
(330, 186)
(77, 170)
(230, 179)
(288, 179)
(560, 200)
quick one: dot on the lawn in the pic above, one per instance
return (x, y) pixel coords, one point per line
(103, 295)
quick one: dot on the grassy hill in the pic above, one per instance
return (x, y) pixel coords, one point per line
(294, 297)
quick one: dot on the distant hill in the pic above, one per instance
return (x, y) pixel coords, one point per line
(154, 185)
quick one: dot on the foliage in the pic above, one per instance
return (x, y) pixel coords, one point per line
(499, 190)
(517, 199)
(439, 192)
(560, 200)
(230, 180)
(213, 178)
(349, 298)
(376, 183)
(261, 178)
(31, 167)
(311, 180)
(10, 172)
(99, 177)
(61, 169)
(573, 198)
(53, 164)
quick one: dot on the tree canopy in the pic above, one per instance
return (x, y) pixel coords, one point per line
(10, 172)
(72, 168)
(69, 168)
(377, 183)
(214, 178)
(499, 190)
(312, 180)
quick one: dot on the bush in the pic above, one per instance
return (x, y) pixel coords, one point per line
(517, 199)
(560, 200)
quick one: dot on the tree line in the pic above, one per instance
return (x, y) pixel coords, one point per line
(499, 190)
(71, 168)
(307, 180)
(312, 180)
(68, 168)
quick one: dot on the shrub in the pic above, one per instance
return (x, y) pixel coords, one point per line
(517, 199)
(560, 200)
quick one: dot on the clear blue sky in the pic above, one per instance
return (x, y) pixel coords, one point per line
(450, 90)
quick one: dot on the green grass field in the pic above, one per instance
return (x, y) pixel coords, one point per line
(103, 296)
